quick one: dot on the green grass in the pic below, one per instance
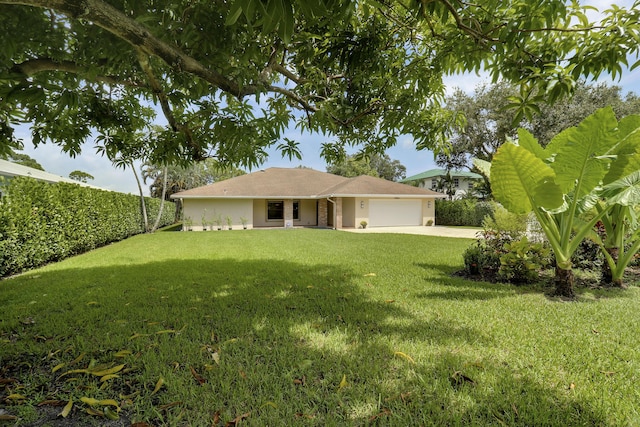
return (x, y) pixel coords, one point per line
(273, 321)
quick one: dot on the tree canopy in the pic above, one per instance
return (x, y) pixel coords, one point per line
(488, 123)
(21, 159)
(231, 76)
(380, 166)
(81, 176)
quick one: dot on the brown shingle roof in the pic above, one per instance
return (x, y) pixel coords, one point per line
(300, 183)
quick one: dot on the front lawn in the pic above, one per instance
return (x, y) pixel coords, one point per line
(308, 327)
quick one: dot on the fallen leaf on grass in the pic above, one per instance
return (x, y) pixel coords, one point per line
(370, 275)
(269, 403)
(92, 303)
(104, 372)
(58, 367)
(199, 378)
(137, 335)
(300, 381)
(52, 403)
(16, 396)
(385, 412)
(140, 424)
(458, 379)
(95, 402)
(307, 416)
(67, 409)
(343, 383)
(122, 353)
(94, 412)
(608, 373)
(404, 356)
(216, 357)
(8, 380)
(8, 417)
(108, 412)
(77, 359)
(389, 301)
(109, 377)
(238, 419)
(170, 405)
(158, 386)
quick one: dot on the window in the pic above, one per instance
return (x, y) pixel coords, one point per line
(470, 186)
(434, 184)
(456, 182)
(275, 210)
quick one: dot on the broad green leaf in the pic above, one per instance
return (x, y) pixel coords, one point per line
(529, 142)
(625, 191)
(577, 165)
(483, 166)
(627, 159)
(520, 180)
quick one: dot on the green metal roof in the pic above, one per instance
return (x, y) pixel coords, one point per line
(433, 173)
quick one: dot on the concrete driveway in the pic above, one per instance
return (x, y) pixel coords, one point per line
(438, 230)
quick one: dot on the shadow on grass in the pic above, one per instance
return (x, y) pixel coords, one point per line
(279, 340)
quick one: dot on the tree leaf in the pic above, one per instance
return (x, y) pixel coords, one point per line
(343, 382)
(158, 386)
(404, 356)
(103, 372)
(625, 191)
(520, 180)
(577, 164)
(67, 409)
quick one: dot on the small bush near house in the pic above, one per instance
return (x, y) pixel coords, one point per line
(522, 261)
(42, 222)
(503, 251)
(462, 212)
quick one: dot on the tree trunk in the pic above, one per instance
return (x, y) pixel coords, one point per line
(143, 205)
(564, 283)
(164, 193)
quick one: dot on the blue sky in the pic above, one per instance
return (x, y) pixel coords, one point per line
(106, 176)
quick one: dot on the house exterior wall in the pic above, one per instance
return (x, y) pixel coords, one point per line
(210, 208)
(349, 212)
(361, 211)
(308, 215)
(428, 211)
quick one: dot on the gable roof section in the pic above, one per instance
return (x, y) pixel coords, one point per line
(433, 173)
(301, 184)
(365, 185)
(272, 182)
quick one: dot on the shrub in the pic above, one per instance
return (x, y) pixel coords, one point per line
(522, 260)
(42, 222)
(462, 212)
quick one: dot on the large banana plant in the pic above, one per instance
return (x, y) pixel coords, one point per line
(564, 180)
(622, 228)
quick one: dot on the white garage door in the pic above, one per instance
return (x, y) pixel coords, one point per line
(396, 212)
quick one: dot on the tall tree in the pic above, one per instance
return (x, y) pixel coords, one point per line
(231, 76)
(488, 122)
(380, 166)
(21, 159)
(80, 176)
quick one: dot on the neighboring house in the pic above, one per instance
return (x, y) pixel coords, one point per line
(9, 170)
(435, 179)
(279, 197)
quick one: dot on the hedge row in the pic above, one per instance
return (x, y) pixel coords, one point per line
(462, 212)
(41, 222)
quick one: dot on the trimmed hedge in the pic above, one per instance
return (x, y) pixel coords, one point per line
(42, 222)
(462, 212)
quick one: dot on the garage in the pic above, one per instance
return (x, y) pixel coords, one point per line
(395, 212)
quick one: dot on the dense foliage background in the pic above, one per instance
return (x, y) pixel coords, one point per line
(462, 212)
(41, 222)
